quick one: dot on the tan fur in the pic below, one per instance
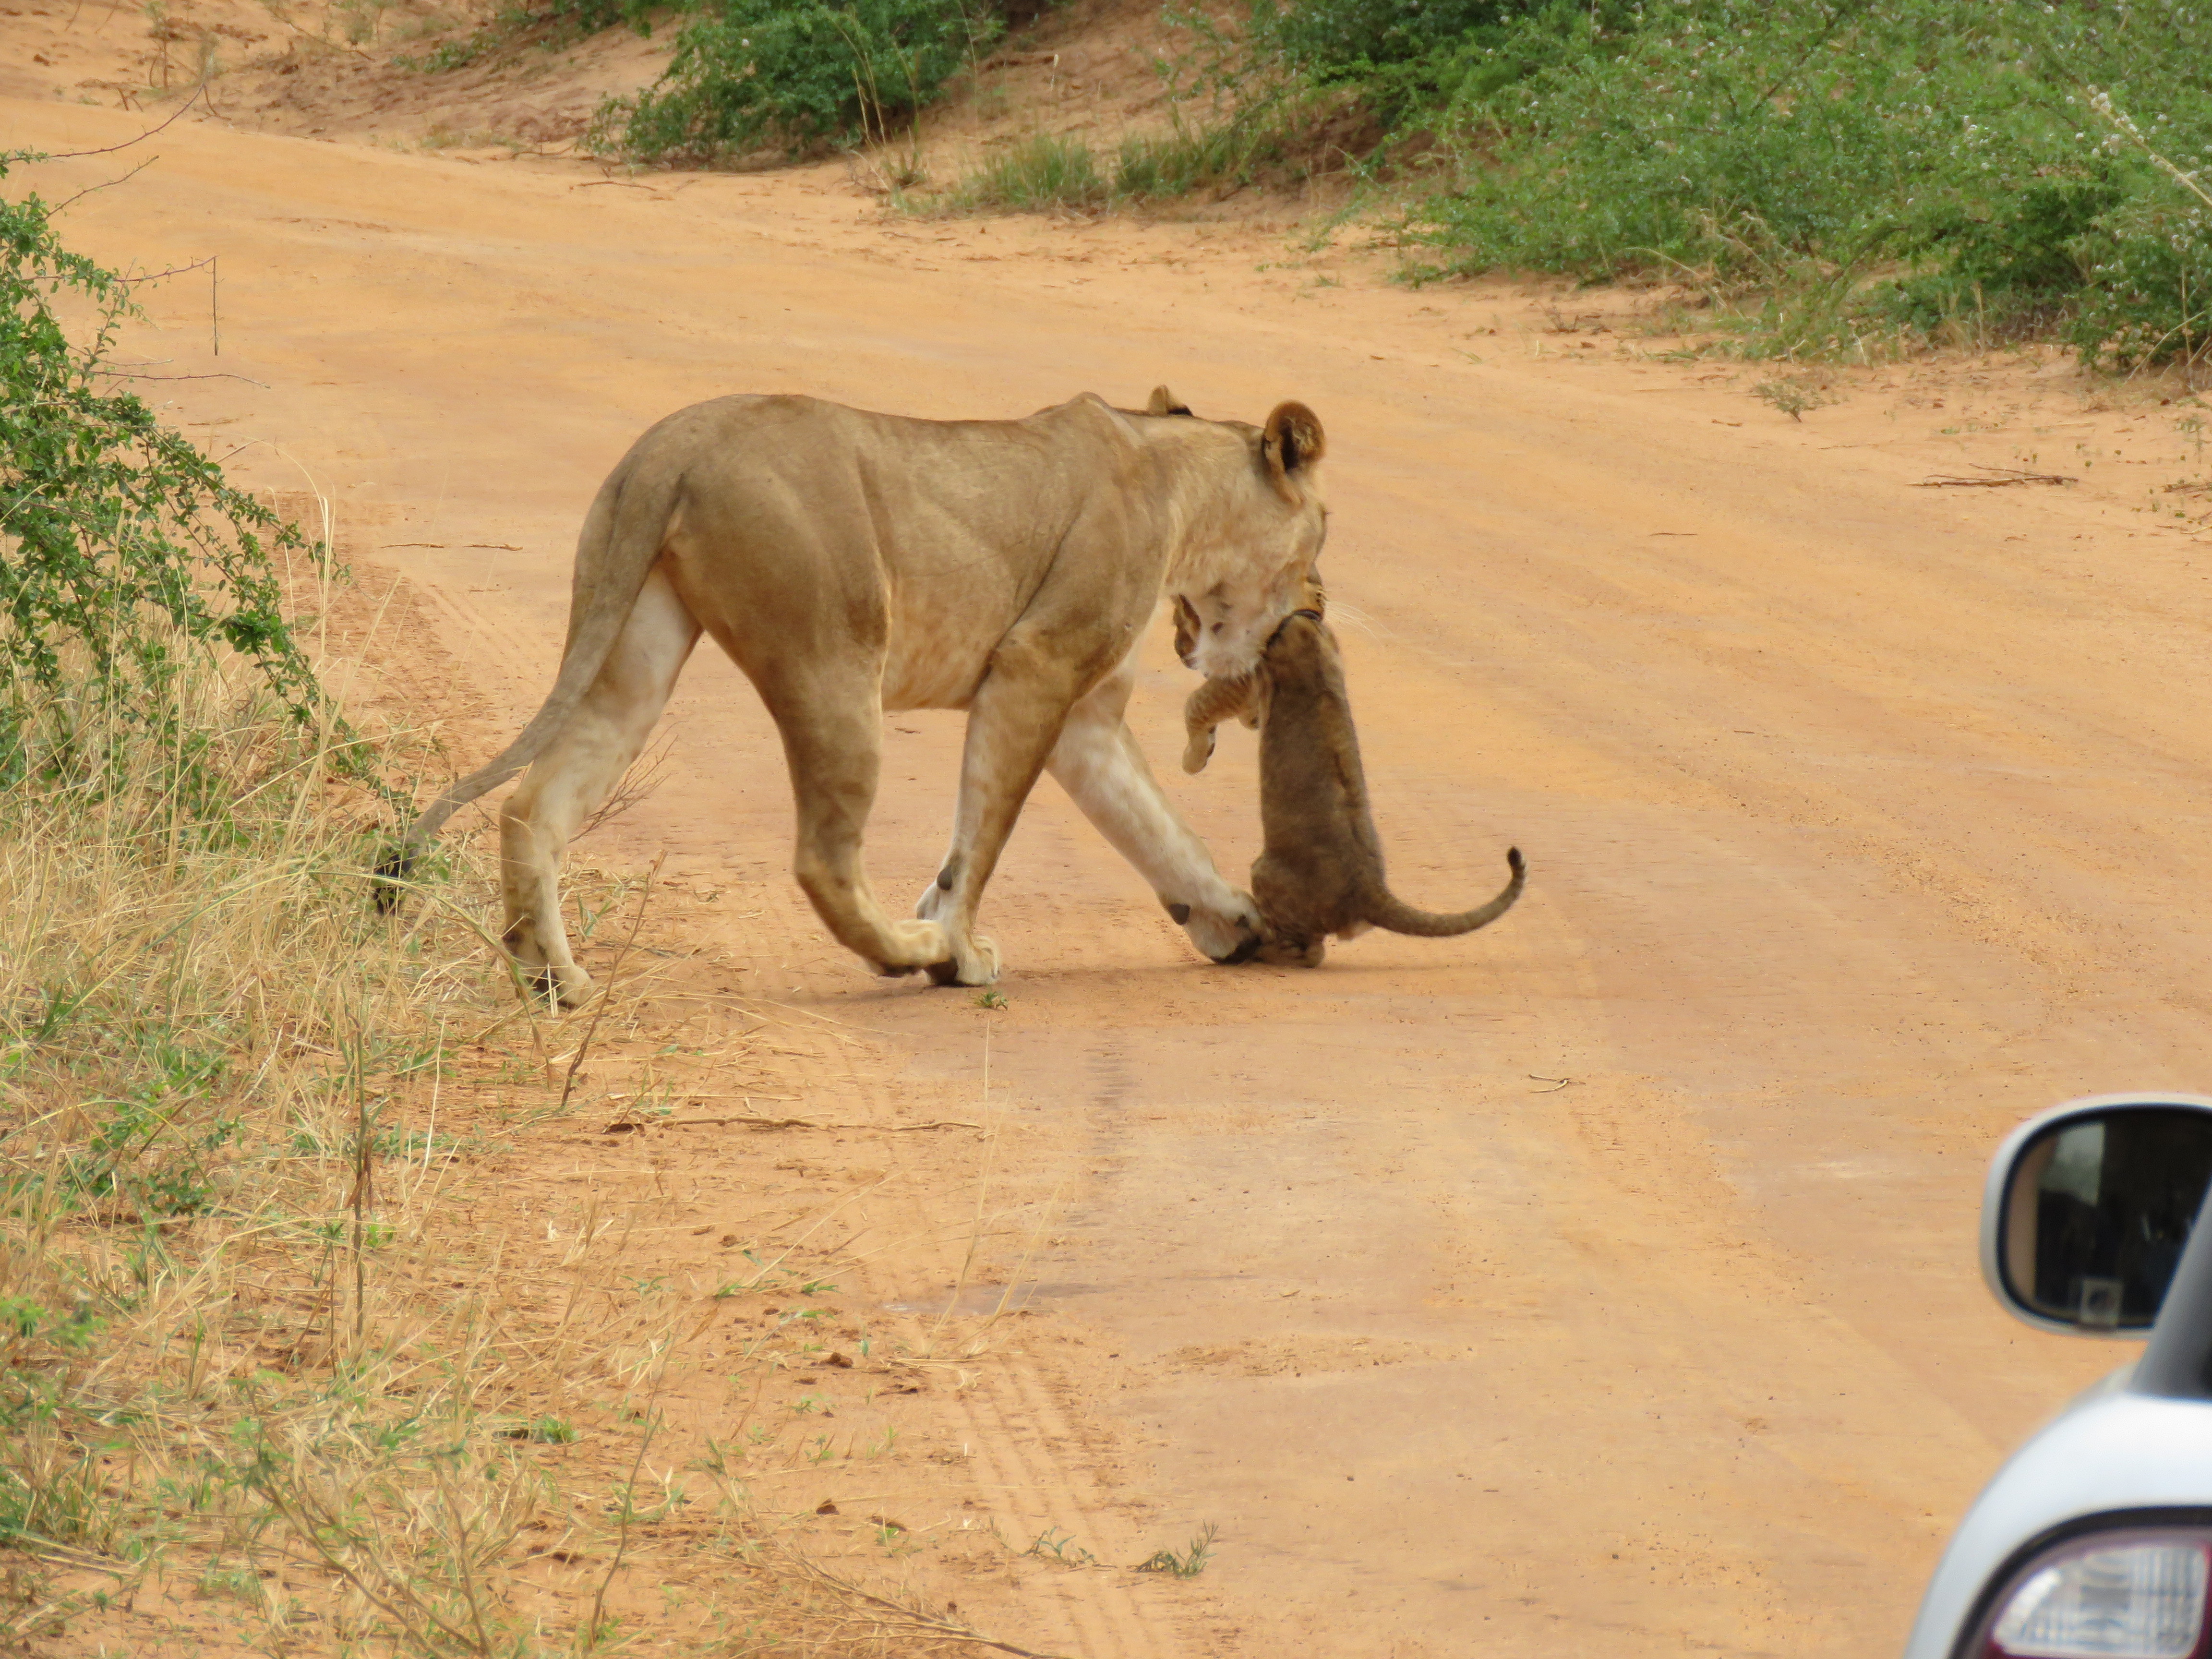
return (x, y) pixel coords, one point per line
(1320, 869)
(853, 563)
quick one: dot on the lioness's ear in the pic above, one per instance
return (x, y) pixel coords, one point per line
(1164, 402)
(1291, 443)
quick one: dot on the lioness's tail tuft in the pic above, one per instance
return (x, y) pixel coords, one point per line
(392, 869)
(1385, 910)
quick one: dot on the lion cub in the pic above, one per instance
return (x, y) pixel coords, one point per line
(1320, 871)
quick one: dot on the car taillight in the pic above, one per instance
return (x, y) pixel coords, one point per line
(2136, 1595)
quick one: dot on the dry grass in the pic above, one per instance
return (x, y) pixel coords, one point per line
(280, 1370)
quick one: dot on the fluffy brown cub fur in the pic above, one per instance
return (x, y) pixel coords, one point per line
(1320, 871)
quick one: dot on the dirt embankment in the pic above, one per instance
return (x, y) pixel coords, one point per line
(1602, 1284)
(453, 79)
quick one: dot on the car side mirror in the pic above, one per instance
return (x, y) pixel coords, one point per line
(2088, 1206)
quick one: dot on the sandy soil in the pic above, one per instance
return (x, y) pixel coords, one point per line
(1608, 1283)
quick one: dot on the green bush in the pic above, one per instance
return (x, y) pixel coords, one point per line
(748, 73)
(1895, 162)
(122, 547)
(1350, 40)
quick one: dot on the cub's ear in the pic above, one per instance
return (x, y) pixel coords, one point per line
(1164, 402)
(1291, 443)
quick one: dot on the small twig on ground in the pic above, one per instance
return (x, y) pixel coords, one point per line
(1999, 476)
(627, 1125)
(127, 374)
(1557, 1083)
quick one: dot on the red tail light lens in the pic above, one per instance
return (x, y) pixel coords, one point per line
(2109, 1595)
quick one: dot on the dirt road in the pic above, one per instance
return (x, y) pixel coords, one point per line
(1604, 1284)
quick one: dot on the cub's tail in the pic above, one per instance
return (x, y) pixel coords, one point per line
(1386, 910)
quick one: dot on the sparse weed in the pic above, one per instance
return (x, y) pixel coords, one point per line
(1793, 394)
(1188, 1565)
(1055, 1545)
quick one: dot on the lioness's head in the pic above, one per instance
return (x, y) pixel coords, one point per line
(1247, 557)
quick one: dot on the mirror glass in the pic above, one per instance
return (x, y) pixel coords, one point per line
(2097, 1209)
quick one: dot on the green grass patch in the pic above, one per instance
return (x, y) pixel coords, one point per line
(1842, 171)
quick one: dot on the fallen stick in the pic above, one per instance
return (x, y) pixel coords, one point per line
(2000, 475)
(625, 1126)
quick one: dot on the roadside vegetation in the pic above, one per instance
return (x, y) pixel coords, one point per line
(1842, 179)
(1839, 181)
(274, 1375)
(1835, 180)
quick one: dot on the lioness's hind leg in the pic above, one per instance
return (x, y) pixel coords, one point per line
(576, 773)
(833, 738)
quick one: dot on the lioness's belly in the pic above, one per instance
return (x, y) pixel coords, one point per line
(925, 669)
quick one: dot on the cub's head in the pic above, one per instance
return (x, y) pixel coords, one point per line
(1252, 544)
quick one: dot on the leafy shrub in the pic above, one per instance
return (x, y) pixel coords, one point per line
(122, 547)
(751, 73)
(2148, 298)
(1975, 154)
(1349, 39)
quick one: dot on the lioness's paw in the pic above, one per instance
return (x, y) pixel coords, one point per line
(915, 945)
(1228, 934)
(975, 965)
(567, 990)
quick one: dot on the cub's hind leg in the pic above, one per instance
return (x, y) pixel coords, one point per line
(575, 774)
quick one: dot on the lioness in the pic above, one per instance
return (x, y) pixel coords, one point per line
(1320, 870)
(852, 562)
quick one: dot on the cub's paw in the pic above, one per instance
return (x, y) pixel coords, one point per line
(1197, 750)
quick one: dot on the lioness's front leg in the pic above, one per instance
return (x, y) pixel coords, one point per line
(1097, 762)
(1012, 721)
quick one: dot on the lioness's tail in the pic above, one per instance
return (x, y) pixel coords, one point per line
(615, 551)
(1385, 910)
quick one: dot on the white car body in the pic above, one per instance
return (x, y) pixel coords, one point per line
(2113, 1456)
(2132, 1455)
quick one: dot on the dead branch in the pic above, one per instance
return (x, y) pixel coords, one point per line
(1997, 477)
